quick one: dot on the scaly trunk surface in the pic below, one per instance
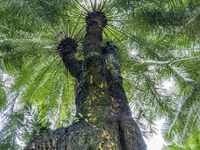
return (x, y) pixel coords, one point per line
(105, 120)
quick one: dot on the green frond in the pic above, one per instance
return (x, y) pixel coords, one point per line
(13, 120)
(3, 94)
(157, 41)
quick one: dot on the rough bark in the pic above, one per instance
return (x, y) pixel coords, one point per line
(105, 120)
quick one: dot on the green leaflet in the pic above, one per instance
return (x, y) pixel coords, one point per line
(3, 97)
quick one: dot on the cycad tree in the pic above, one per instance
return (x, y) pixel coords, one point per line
(64, 54)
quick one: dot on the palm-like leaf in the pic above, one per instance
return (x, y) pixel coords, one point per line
(164, 35)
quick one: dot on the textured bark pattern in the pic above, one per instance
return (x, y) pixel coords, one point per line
(67, 49)
(110, 134)
(96, 21)
(105, 121)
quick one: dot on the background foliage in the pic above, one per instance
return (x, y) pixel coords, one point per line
(158, 47)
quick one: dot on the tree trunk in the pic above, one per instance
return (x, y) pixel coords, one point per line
(105, 120)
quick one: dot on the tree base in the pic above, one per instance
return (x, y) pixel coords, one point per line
(111, 133)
